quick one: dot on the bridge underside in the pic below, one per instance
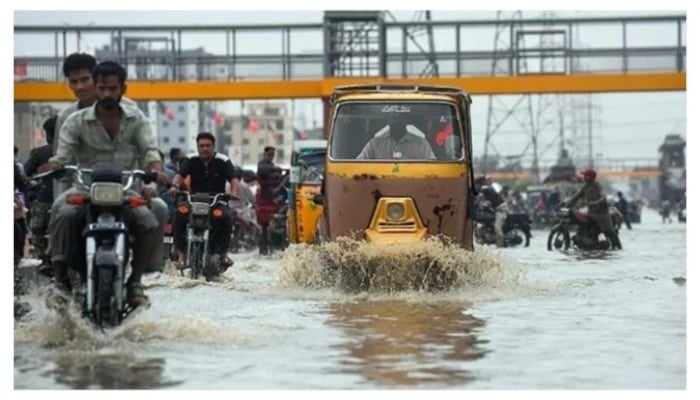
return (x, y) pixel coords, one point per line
(319, 88)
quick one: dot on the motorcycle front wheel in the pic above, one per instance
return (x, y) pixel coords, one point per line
(481, 234)
(558, 239)
(195, 260)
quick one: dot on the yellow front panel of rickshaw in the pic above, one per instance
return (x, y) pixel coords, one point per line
(307, 212)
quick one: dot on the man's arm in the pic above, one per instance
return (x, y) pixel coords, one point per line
(60, 120)
(576, 196)
(233, 177)
(182, 173)
(21, 181)
(146, 143)
(68, 141)
(265, 168)
(427, 151)
(602, 199)
(367, 152)
(32, 164)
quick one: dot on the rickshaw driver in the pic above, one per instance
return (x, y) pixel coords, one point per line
(397, 143)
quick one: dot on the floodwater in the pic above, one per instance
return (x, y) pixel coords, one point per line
(514, 319)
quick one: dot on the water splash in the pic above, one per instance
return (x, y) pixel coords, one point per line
(354, 266)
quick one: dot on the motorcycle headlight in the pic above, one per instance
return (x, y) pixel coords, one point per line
(395, 211)
(200, 208)
(106, 194)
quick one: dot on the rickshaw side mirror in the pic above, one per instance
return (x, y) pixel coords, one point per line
(318, 199)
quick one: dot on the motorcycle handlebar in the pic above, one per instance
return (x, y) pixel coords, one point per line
(78, 173)
(219, 197)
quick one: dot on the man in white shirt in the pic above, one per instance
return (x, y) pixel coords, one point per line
(397, 144)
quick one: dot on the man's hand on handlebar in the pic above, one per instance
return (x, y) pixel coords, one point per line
(49, 166)
(172, 191)
(160, 176)
(148, 192)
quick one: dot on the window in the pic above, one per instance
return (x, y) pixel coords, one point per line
(181, 124)
(279, 140)
(432, 129)
(279, 154)
(181, 108)
(246, 141)
(166, 140)
(279, 124)
(246, 157)
(261, 141)
(182, 139)
(166, 124)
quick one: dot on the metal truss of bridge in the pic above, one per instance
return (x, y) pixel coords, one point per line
(309, 60)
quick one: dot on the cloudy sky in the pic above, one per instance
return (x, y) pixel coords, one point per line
(625, 125)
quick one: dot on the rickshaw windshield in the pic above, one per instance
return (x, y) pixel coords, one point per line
(391, 131)
(312, 165)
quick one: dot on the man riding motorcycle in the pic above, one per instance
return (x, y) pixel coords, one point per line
(107, 132)
(209, 172)
(593, 194)
(497, 202)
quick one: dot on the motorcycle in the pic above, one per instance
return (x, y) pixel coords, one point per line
(246, 231)
(587, 233)
(543, 219)
(277, 232)
(99, 281)
(516, 229)
(682, 216)
(201, 210)
(168, 233)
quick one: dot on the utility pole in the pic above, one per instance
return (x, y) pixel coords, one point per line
(590, 131)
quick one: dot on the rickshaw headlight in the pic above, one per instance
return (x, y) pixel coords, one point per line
(395, 211)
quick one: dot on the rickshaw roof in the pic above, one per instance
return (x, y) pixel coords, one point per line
(300, 145)
(398, 88)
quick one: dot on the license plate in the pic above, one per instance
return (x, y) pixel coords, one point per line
(167, 239)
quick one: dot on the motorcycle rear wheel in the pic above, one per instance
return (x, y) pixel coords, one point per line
(525, 238)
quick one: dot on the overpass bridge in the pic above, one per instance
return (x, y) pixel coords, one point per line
(308, 60)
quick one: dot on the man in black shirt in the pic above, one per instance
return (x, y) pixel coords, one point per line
(44, 197)
(209, 172)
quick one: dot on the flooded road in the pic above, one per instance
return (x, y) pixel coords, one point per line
(533, 320)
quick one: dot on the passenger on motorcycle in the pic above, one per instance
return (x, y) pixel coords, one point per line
(21, 184)
(270, 197)
(593, 194)
(39, 223)
(497, 202)
(209, 172)
(112, 132)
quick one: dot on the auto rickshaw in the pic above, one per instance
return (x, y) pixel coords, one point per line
(306, 175)
(398, 165)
